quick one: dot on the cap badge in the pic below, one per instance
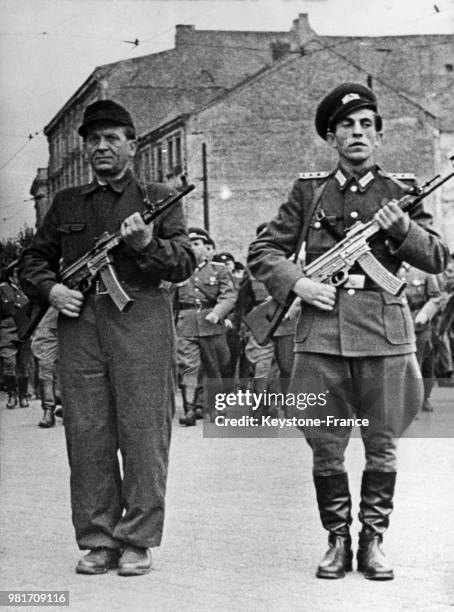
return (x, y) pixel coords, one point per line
(349, 97)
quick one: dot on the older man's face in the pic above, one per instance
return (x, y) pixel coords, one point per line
(355, 137)
(108, 150)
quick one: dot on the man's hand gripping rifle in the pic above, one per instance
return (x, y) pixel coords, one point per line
(333, 266)
(98, 261)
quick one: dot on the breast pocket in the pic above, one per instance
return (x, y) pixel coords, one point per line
(396, 320)
(71, 236)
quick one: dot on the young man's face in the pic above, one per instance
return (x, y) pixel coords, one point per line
(108, 150)
(198, 246)
(355, 137)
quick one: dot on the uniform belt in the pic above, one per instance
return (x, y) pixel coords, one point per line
(195, 306)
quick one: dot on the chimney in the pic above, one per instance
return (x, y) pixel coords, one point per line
(183, 34)
(301, 32)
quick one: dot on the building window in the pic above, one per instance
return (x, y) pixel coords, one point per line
(159, 164)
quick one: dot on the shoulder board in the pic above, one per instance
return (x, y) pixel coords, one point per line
(313, 175)
(400, 178)
(397, 176)
(403, 176)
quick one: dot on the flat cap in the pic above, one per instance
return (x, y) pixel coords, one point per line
(343, 100)
(105, 110)
(197, 233)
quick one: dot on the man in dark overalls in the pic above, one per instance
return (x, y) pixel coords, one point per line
(117, 368)
(355, 345)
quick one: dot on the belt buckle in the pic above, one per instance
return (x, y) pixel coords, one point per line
(355, 281)
(100, 288)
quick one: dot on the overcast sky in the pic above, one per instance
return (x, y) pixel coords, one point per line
(49, 47)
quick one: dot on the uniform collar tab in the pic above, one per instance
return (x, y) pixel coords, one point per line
(341, 179)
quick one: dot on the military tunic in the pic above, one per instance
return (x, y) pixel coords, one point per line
(117, 368)
(15, 354)
(210, 289)
(362, 350)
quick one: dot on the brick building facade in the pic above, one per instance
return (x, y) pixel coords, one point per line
(251, 97)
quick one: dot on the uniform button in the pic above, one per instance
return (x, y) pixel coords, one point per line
(353, 188)
(354, 214)
(317, 225)
(351, 292)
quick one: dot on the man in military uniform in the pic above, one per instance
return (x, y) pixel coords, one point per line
(202, 303)
(443, 336)
(275, 358)
(424, 298)
(117, 368)
(14, 353)
(356, 341)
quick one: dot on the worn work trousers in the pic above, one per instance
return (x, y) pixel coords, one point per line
(45, 349)
(388, 391)
(118, 382)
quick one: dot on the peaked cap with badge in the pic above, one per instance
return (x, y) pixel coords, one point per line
(341, 101)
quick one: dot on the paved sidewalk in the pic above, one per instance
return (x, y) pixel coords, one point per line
(242, 532)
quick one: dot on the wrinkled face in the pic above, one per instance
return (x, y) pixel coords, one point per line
(198, 246)
(108, 150)
(355, 137)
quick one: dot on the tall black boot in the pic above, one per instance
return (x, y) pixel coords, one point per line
(11, 389)
(335, 505)
(189, 417)
(22, 383)
(47, 403)
(377, 492)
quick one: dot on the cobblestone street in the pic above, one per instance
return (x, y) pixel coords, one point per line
(242, 531)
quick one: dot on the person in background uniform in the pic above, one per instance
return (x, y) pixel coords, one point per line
(44, 347)
(274, 359)
(443, 338)
(424, 298)
(357, 340)
(232, 323)
(202, 303)
(117, 368)
(210, 247)
(14, 353)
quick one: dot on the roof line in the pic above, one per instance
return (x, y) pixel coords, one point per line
(379, 80)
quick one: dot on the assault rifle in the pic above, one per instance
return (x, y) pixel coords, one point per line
(98, 262)
(333, 266)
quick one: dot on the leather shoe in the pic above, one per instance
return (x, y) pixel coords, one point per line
(198, 411)
(134, 561)
(427, 406)
(98, 561)
(48, 419)
(188, 419)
